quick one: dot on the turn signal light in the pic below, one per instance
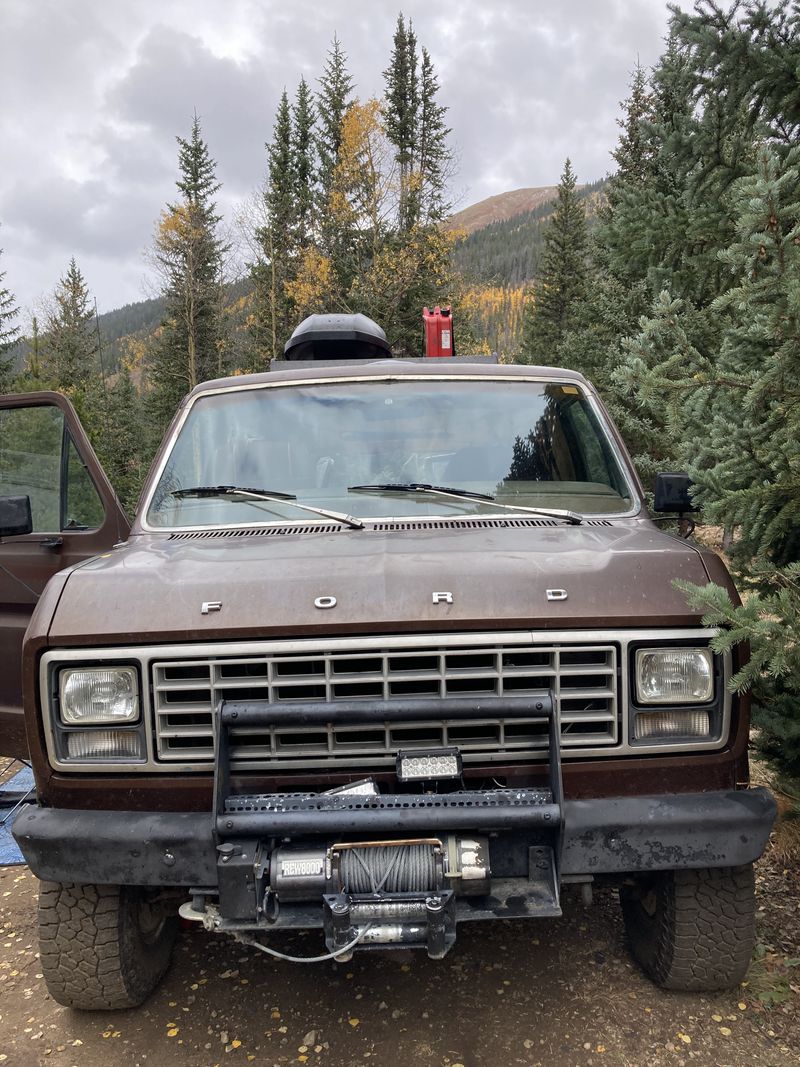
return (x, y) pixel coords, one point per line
(652, 725)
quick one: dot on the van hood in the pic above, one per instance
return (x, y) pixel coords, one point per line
(489, 575)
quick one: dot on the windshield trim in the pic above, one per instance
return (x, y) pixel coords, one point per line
(637, 504)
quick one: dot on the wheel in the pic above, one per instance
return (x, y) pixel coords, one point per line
(102, 946)
(693, 930)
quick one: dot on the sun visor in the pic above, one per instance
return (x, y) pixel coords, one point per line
(332, 337)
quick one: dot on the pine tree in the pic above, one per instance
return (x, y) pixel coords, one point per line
(302, 166)
(34, 362)
(119, 442)
(644, 235)
(435, 159)
(279, 196)
(616, 296)
(747, 464)
(562, 282)
(401, 117)
(69, 356)
(9, 332)
(332, 101)
(634, 153)
(274, 266)
(721, 352)
(189, 255)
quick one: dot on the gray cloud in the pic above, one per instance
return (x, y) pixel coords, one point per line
(96, 94)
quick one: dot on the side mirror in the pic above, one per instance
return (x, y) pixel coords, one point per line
(15, 516)
(673, 492)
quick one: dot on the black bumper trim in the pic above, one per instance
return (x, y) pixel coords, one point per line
(622, 834)
(118, 847)
(606, 836)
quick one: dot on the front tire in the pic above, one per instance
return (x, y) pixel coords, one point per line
(692, 930)
(102, 946)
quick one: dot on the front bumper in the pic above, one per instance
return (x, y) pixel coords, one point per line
(618, 835)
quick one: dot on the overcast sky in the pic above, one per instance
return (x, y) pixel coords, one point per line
(94, 91)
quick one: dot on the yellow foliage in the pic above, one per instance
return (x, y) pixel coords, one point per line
(363, 181)
(311, 288)
(457, 234)
(177, 226)
(495, 313)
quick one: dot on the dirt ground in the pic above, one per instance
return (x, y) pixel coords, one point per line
(558, 993)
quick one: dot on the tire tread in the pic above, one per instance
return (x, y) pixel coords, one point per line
(90, 956)
(702, 935)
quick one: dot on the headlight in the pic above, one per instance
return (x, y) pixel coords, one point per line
(674, 675)
(99, 695)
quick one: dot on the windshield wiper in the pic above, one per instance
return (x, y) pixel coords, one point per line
(464, 494)
(244, 493)
(417, 487)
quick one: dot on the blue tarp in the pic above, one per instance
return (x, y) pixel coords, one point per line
(11, 792)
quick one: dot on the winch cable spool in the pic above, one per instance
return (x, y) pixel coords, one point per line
(389, 869)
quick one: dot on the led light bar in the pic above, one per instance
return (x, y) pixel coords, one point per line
(428, 764)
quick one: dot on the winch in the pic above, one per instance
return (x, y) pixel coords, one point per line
(383, 892)
(406, 866)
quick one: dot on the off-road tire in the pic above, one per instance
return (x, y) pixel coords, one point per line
(693, 930)
(102, 946)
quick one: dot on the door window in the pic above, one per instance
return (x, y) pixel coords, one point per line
(38, 459)
(84, 509)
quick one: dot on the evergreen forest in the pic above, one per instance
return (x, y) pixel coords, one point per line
(673, 284)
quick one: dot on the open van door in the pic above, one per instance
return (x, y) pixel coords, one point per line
(57, 507)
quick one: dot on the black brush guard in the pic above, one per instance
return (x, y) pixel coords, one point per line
(247, 826)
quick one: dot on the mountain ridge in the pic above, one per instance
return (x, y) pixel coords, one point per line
(501, 207)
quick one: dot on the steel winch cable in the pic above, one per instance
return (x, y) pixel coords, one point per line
(246, 939)
(390, 868)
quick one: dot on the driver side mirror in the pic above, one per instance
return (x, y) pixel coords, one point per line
(15, 516)
(673, 492)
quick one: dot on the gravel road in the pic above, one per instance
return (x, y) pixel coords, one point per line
(559, 993)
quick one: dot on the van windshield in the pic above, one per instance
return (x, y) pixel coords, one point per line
(526, 443)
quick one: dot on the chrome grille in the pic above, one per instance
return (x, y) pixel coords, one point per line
(583, 678)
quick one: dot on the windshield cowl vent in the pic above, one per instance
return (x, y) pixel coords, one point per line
(260, 531)
(461, 524)
(396, 526)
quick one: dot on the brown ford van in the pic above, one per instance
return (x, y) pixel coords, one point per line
(390, 646)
